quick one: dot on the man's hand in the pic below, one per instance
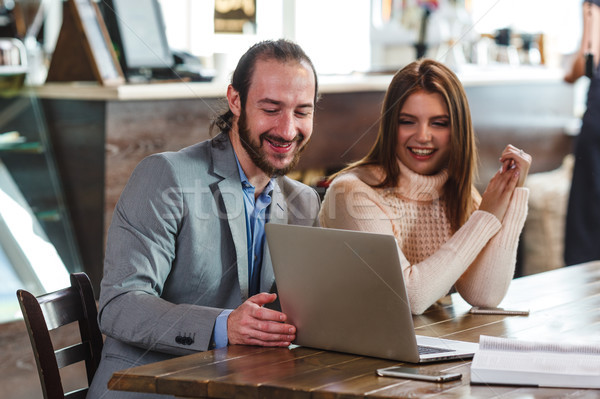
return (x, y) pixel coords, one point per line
(252, 324)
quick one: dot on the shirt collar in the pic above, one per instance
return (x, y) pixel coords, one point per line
(246, 183)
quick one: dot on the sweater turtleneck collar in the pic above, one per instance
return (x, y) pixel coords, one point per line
(418, 187)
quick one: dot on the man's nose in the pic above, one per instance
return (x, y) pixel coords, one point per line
(286, 128)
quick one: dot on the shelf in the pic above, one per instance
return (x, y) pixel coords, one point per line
(30, 148)
(51, 215)
(30, 170)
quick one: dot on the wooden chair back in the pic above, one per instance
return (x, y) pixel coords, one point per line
(51, 311)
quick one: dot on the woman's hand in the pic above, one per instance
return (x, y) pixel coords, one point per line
(512, 174)
(496, 197)
(512, 157)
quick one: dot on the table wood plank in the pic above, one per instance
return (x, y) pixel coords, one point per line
(217, 379)
(247, 383)
(302, 385)
(371, 385)
(143, 378)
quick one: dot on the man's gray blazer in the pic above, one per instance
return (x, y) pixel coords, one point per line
(177, 255)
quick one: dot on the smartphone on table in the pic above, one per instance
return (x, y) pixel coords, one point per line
(418, 374)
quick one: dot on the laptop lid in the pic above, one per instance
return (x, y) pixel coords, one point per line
(344, 291)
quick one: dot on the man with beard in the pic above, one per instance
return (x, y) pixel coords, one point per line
(186, 267)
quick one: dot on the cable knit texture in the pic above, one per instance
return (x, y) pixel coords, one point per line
(479, 258)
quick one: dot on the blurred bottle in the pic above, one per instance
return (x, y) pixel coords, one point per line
(506, 52)
(530, 53)
(13, 66)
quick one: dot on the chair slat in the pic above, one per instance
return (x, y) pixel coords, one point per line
(61, 307)
(72, 354)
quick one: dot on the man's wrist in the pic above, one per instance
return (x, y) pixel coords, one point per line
(220, 330)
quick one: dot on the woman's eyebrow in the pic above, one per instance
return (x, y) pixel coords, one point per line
(432, 117)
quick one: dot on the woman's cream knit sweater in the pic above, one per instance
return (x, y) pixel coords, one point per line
(479, 258)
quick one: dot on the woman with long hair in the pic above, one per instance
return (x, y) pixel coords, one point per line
(417, 184)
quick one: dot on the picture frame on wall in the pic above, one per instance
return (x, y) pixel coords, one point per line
(235, 17)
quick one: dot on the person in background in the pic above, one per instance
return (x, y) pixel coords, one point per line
(582, 227)
(186, 268)
(416, 183)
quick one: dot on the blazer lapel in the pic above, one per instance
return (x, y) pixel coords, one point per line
(278, 212)
(230, 192)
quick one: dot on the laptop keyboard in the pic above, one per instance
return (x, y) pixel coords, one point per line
(426, 350)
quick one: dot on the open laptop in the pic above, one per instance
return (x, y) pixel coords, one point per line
(344, 291)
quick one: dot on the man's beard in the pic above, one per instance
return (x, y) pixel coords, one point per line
(259, 157)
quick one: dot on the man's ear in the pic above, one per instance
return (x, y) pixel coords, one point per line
(234, 101)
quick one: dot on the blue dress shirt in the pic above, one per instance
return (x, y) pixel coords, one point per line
(257, 214)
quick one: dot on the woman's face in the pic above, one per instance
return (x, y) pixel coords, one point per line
(424, 133)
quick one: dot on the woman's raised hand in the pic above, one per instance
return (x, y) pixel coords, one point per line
(512, 173)
(512, 157)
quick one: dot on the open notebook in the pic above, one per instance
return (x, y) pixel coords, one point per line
(344, 291)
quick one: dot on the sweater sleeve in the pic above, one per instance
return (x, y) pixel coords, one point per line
(351, 204)
(486, 281)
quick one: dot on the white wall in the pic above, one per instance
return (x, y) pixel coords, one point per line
(334, 33)
(337, 33)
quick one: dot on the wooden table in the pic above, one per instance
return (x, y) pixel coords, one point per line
(564, 305)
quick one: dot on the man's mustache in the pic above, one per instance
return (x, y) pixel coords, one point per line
(278, 140)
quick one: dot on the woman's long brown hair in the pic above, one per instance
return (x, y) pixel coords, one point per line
(433, 77)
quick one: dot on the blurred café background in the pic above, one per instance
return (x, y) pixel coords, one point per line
(87, 89)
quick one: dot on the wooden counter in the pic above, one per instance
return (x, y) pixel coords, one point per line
(99, 134)
(470, 76)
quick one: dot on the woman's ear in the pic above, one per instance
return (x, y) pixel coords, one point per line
(234, 101)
